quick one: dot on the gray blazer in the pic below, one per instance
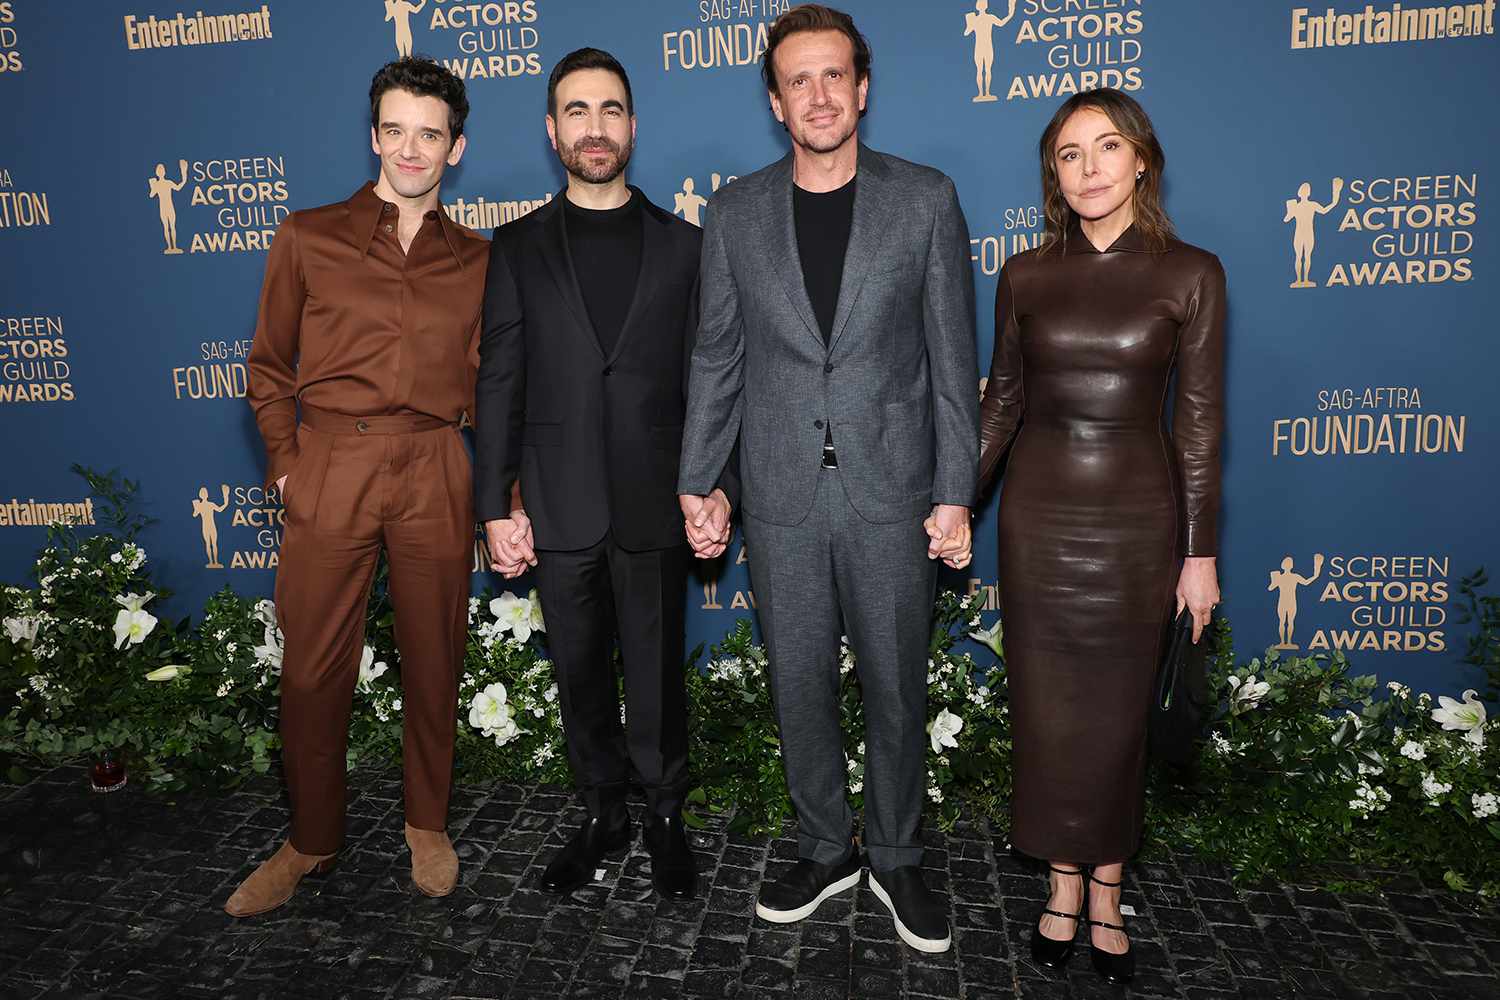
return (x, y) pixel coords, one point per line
(898, 381)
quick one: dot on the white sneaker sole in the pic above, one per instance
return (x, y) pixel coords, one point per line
(933, 946)
(803, 912)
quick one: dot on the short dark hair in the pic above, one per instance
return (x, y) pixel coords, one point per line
(425, 78)
(586, 58)
(813, 17)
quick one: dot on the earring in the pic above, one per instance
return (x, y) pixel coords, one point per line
(1139, 174)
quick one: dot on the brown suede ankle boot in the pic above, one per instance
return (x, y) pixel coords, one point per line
(274, 881)
(434, 865)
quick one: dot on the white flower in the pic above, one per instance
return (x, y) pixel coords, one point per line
(513, 614)
(1247, 694)
(369, 670)
(1398, 689)
(133, 626)
(269, 654)
(115, 557)
(935, 793)
(133, 601)
(1433, 788)
(1368, 799)
(550, 695)
(490, 714)
(1413, 750)
(21, 630)
(224, 689)
(473, 608)
(1475, 737)
(856, 787)
(265, 610)
(538, 623)
(944, 731)
(170, 672)
(992, 637)
(1485, 804)
(38, 683)
(1220, 744)
(1467, 715)
(231, 648)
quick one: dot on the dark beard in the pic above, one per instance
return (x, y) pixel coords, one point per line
(573, 160)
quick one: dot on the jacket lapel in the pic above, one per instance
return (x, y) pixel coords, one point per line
(865, 237)
(781, 236)
(559, 261)
(653, 252)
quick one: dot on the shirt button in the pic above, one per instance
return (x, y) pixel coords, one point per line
(818, 424)
(389, 228)
(387, 209)
(361, 426)
(827, 369)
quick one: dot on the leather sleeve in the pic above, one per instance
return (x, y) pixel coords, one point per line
(1004, 400)
(1198, 411)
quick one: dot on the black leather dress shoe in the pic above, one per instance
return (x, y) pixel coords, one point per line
(920, 914)
(674, 871)
(576, 863)
(798, 893)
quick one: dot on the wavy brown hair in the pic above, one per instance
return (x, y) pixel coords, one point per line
(1132, 122)
(813, 17)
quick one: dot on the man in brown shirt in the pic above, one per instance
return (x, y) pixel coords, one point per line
(370, 318)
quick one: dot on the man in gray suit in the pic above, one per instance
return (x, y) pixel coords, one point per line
(836, 344)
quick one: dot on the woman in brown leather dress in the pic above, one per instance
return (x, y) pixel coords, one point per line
(1107, 519)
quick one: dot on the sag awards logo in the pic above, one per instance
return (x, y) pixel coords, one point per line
(22, 208)
(1023, 230)
(689, 203)
(489, 41)
(256, 511)
(1391, 230)
(236, 203)
(10, 56)
(33, 360)
(729, 33)
(1390, 604)
(1391, 23)
(482, 214)
(739, 600)
(1063, 46)
(1376, 420)
(218, 372)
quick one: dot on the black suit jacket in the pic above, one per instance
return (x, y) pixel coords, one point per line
(595, 440)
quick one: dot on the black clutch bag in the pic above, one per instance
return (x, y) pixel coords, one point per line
(1179, 696)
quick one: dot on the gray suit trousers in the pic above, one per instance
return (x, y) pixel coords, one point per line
(877, 579)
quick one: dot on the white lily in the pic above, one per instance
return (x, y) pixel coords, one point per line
(1246, 694)
(538, 623)
(490, 714)
(170, 672)
(265, 610)
(133, 626)
(514, 614)
(944, 731)
(1468, 715)
(991, 637)
(369, 670)
(132, 601)
(271, 651)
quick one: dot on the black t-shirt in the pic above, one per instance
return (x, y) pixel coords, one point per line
(606, 249)
(823, 221)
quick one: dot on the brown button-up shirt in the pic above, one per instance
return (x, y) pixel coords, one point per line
(350, 323)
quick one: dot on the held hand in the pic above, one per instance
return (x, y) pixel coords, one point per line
(950, 537)
(706, 522)
(1198, 591)
(511, 545)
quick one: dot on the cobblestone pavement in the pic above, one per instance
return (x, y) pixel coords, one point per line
(120, 896)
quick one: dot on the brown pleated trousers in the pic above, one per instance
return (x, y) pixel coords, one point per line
(360, 483)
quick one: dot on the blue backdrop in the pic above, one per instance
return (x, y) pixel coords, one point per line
(1361, 444)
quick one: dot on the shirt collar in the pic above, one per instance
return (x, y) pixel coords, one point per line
(1074, 242)
(367, 210)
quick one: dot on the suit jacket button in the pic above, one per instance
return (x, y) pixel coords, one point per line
(827, 369)
(609, 369)
(818, 424)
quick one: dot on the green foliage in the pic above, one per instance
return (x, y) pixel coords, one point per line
(1483, 612)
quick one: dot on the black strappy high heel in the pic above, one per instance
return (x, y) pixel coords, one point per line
(1114, 969)
(1048, 952)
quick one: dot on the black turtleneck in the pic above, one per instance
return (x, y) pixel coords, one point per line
(606, 249)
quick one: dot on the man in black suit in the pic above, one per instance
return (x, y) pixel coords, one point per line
(590, 315)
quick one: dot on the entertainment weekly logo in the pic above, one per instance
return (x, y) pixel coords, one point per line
(1387, 24)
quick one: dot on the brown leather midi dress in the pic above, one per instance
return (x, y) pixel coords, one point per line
(1099, 505)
